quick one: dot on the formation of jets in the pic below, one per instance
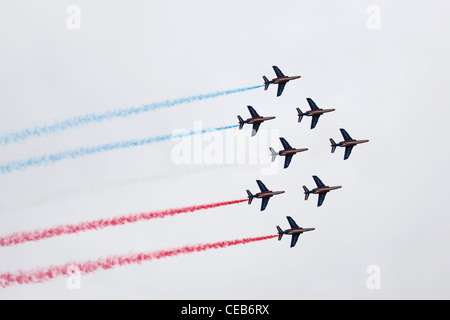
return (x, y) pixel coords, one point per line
(288, 152)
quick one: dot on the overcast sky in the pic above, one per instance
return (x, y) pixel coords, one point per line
(383, 65)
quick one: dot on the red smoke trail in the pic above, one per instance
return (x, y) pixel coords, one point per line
(46, 274)
(27, 236)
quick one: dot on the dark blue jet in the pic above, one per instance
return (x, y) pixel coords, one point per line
(281, 80)
(295, 231)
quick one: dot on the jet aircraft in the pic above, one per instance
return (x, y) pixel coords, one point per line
(321, 190)
(348, 143)
(256, 120)
(295, 231)
(281, 80)
(265, 195)
(315, 112)
(288, 152)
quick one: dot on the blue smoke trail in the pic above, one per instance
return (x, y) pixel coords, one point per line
(17, 136)
(81, 152)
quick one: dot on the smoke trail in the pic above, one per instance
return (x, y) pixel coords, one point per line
(81, 152)
(49, 273)
(14, 137)
(23, 203)
(22, 237)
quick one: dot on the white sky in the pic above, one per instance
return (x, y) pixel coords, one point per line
(389, 85)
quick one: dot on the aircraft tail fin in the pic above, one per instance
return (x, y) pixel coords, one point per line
(333, 145)
(241, 122)
(300, 115)
(273, 153)
(266, 82)
(250, 197)
(307, 192)
(280, 233)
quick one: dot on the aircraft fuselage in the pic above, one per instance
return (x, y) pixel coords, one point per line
(325, 189)
(284, 79)
(267, 194)
(287, 152)
(297, 230)
(351, 143)
(317, 112)
(258, 119)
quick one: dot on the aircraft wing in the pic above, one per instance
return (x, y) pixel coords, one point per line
(285, 144)
(321, 198)
(319, 182)
(261, 186)
(287, 161)
(264, 203)
(312, 104)
(314, 121)
(345, 135)
(292, 223)
(253, 112)
(348, 150)
(280, 88)
(278, 72)
(255, 128)
(294, 240)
